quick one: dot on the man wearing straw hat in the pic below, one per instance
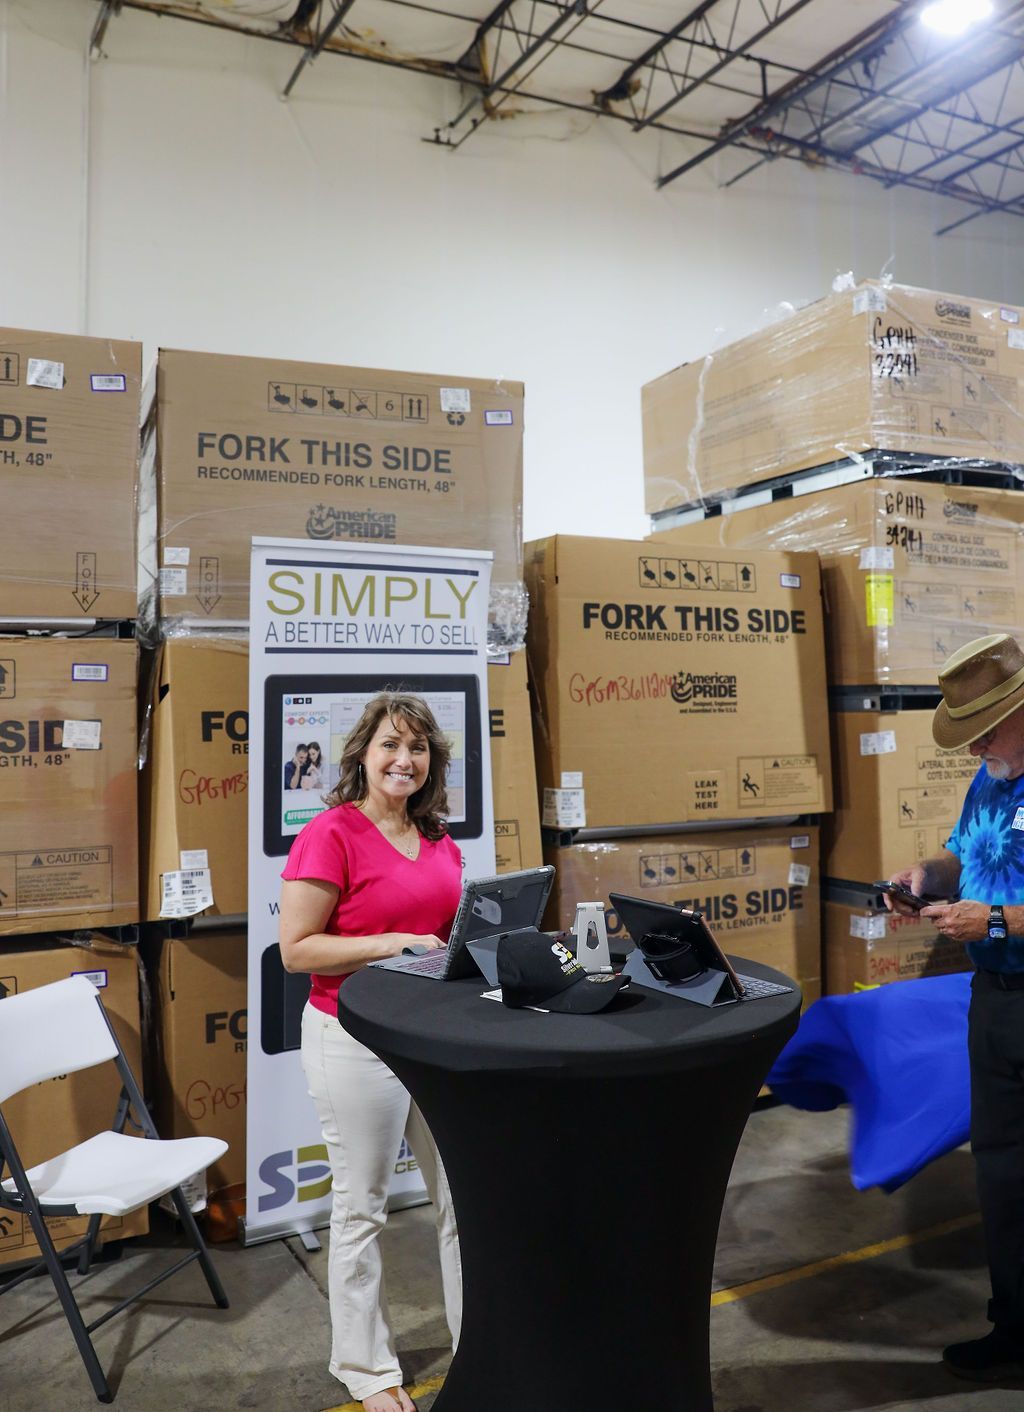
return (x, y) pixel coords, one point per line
(982, 867)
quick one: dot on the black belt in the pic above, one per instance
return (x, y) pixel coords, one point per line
(1005, 980)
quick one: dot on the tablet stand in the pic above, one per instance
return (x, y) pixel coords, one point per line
(709, 988)
(485, 953)
(591, 937)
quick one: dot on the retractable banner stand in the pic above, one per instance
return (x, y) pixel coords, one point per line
(331, 625)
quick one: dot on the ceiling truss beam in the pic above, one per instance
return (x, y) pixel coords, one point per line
(316, 48)
(882, 134)
(502, 22)
(780, 18)
(108, 10)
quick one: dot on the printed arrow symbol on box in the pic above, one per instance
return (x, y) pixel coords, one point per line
(209, 583)
(85, 593)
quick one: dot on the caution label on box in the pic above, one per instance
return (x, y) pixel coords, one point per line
(12, 1230)
(955, 602)
(778, 780)
(949, 638)
(57, 880)
(918, 808)
(508, 850)
(16, 1233)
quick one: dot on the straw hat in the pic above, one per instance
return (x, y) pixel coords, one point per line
(982, 684)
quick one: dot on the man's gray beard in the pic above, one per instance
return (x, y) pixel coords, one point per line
(998, 769)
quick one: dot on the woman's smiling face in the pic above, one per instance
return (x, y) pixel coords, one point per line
(396, 761)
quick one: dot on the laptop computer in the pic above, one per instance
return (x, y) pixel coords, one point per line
(642, 917)
(488, 908)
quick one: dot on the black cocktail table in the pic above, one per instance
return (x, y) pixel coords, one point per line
(588, 1157)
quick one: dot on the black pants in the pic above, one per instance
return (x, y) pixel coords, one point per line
(996, 1047)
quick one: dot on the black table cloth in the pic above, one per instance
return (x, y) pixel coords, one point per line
(588, 1157)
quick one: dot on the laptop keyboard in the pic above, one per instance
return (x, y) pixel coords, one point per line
(753, 988)
(433, 964)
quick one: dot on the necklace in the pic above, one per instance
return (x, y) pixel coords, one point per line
(397, 838)
(410, 848)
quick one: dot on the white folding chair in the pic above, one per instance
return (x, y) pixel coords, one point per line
(60, 1029)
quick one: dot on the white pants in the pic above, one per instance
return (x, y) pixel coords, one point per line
(365, 1112)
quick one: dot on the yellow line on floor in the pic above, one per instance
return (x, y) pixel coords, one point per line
(420, 1390)
(848, 1257)
(784, 1277)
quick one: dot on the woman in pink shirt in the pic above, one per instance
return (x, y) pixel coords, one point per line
(373, 874)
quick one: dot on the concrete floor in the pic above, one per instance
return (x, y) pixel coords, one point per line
(792, 1328)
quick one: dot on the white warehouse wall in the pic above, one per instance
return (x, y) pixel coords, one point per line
(165, 193)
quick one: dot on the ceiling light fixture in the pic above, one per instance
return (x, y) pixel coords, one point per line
(954, 17)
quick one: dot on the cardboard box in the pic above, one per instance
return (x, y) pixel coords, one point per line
(257, 446)
(69, 448)
(68, 786)
(876, 368)
(199, 1044)
(897, 795)
(757, 887)
(514, 779)
(195, 782)
(866, 945)
(50, 1117)
(678, 688)
(911, 570)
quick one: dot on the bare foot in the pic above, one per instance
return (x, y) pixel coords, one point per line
(394, 1399)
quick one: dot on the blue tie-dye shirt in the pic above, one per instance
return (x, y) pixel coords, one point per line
(989, 841)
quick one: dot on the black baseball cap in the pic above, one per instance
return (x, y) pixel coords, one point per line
(537, 969)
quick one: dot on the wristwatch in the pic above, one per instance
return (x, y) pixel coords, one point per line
(997, 929)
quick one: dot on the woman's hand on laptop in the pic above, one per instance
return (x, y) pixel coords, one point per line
(410, 942)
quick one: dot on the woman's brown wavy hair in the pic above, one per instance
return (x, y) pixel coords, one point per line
(428, 807)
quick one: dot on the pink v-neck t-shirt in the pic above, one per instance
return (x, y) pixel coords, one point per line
(379, 889)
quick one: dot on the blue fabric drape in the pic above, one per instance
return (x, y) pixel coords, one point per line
(898, 1056)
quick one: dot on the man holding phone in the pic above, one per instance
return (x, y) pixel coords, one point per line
(982, 867)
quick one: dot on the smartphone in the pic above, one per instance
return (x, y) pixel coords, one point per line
(903, 894)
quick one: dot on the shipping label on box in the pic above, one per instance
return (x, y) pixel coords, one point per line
(68, 797)
(676, 689)
(252, 446)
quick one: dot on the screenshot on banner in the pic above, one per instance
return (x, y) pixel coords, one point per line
(309, 718)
